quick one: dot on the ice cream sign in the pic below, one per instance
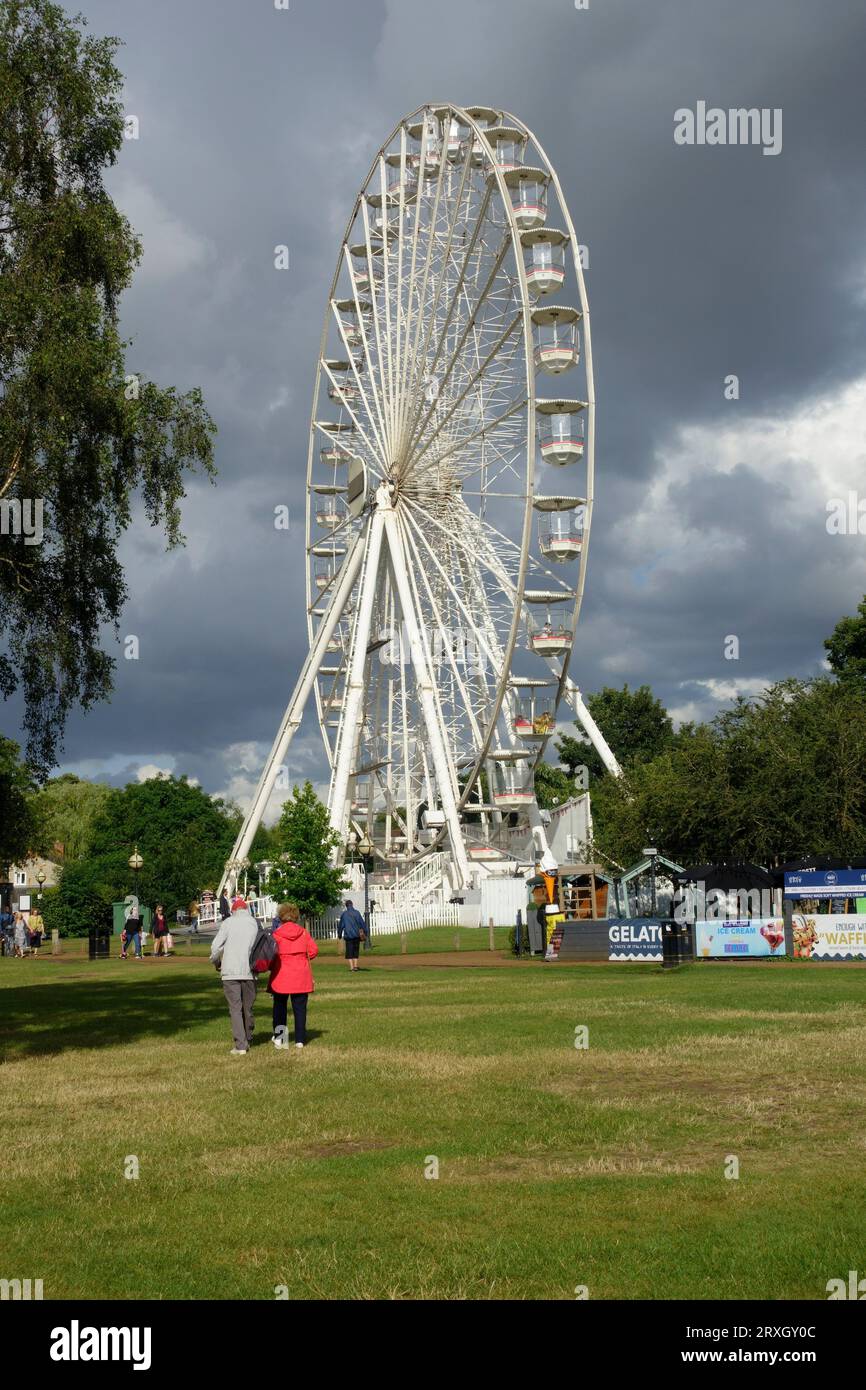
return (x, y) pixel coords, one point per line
(756, 936)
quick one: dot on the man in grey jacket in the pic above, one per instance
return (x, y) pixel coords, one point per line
(230, 954)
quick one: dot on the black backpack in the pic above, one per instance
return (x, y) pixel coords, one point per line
(262, 951)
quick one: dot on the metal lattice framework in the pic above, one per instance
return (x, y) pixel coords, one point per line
(449, 489)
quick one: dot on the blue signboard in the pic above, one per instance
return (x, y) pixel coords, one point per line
(635, 938)
(826, 883)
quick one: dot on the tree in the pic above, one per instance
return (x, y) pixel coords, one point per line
(634, 723)
(21, 825)
(82, 899)
(846, 648)
(304, 843)
(70, 806)
(553, 786)
(770, 779)
(79, 434)
(184, 837)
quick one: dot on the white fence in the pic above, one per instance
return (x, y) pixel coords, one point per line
(392, 920)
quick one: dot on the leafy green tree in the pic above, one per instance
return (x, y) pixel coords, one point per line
(846, 648)
(21, 823)
(79, 433)
(635, 724)
(82, 899)
(304, 841)
(183, 835)
(70, 805)
(772, 778)
(553, 786)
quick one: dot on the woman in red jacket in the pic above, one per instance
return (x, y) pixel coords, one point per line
(291, 976)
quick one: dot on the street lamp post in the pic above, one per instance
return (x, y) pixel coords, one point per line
(652, 854)
(365, 850)
(40, 879)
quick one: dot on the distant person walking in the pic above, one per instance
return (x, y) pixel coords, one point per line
(291, 976)
(225, 909)
(353, 929)
(230, 954)
(19, 934)
(132, 927)
(160, 931)
(37, 930)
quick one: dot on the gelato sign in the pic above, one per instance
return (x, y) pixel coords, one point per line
(635, 938)
(749, 937)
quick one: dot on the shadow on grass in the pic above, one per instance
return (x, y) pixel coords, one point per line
(45, 1019)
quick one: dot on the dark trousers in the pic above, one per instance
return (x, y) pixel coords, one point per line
(299, 1010)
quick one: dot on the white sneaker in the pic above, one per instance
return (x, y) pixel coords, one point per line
(238, 1052)
(299, 1044)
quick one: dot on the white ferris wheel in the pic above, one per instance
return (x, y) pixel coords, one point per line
(449, 492)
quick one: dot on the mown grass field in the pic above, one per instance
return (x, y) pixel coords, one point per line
(558, 1167)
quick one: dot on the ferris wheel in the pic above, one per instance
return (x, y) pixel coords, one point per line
(449, 491)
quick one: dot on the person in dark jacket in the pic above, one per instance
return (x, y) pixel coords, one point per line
(291, 976)
(225, 910)
(353, 929)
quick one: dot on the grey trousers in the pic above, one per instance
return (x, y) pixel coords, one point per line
(241, 996)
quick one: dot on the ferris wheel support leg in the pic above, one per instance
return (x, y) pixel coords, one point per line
(294, 712)
(356, 684)
(539, 839)
(429, 707)
(593, 732)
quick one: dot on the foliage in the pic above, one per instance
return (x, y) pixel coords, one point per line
(78, 903)
(78, 432)
(553, 786)
(70, 805)
(21, 826)
(304, 841)
(183, 836)
(635, 724)
(770, 779)
(846, 648)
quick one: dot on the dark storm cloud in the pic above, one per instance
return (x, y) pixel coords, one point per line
(257, 128)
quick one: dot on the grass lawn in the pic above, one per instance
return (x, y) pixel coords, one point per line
(558, 1167)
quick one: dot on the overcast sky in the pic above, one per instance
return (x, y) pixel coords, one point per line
(257, 127)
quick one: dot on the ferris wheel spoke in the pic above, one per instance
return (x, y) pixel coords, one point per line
(492, 651)
(412, 356)
(443, 272)
(486, 429)
(476, 377)
(472, 316)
